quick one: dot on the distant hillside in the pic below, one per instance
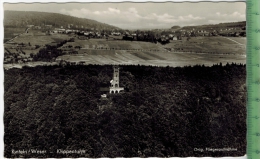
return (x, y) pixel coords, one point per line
(218, 26)
(24, 18)
(175, 27)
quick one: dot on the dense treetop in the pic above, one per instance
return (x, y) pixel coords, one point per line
(164, 111)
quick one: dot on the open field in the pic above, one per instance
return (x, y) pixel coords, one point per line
(40, 38)
(10, 33)
(28, 52)
(153, 58)
(174, 59)
(115, 44)
(197, 50)
(241, 40)
(216, 45)
(209, 40)
(212, 45)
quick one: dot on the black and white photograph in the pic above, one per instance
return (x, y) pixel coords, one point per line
(124, 79)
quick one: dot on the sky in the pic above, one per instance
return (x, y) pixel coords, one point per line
(144, 15)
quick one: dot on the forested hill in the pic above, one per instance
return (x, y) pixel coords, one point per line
(218, 26)
(24, 18)
(164, 111)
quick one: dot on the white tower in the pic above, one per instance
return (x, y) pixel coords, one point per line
(114, 88)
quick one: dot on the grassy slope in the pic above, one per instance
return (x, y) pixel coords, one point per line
(217, 26)
(9, 33)
(40, 39)
(216, 45)
(140, 52)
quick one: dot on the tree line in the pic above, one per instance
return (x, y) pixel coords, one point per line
(50, 52)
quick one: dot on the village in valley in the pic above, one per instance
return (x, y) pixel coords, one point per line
(47, 44)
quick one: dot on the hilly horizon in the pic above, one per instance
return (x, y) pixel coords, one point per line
(240, 24)
(24, 18)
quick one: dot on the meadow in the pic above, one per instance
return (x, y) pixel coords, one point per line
(197, 50)
(216, 45)
(241, 40)
(33, 42)
(10, 33)
(194, 51)
(39, 38)
(113, 44)
(152, 58)
(212, 45)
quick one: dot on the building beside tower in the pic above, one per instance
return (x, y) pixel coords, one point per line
(114, 87)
